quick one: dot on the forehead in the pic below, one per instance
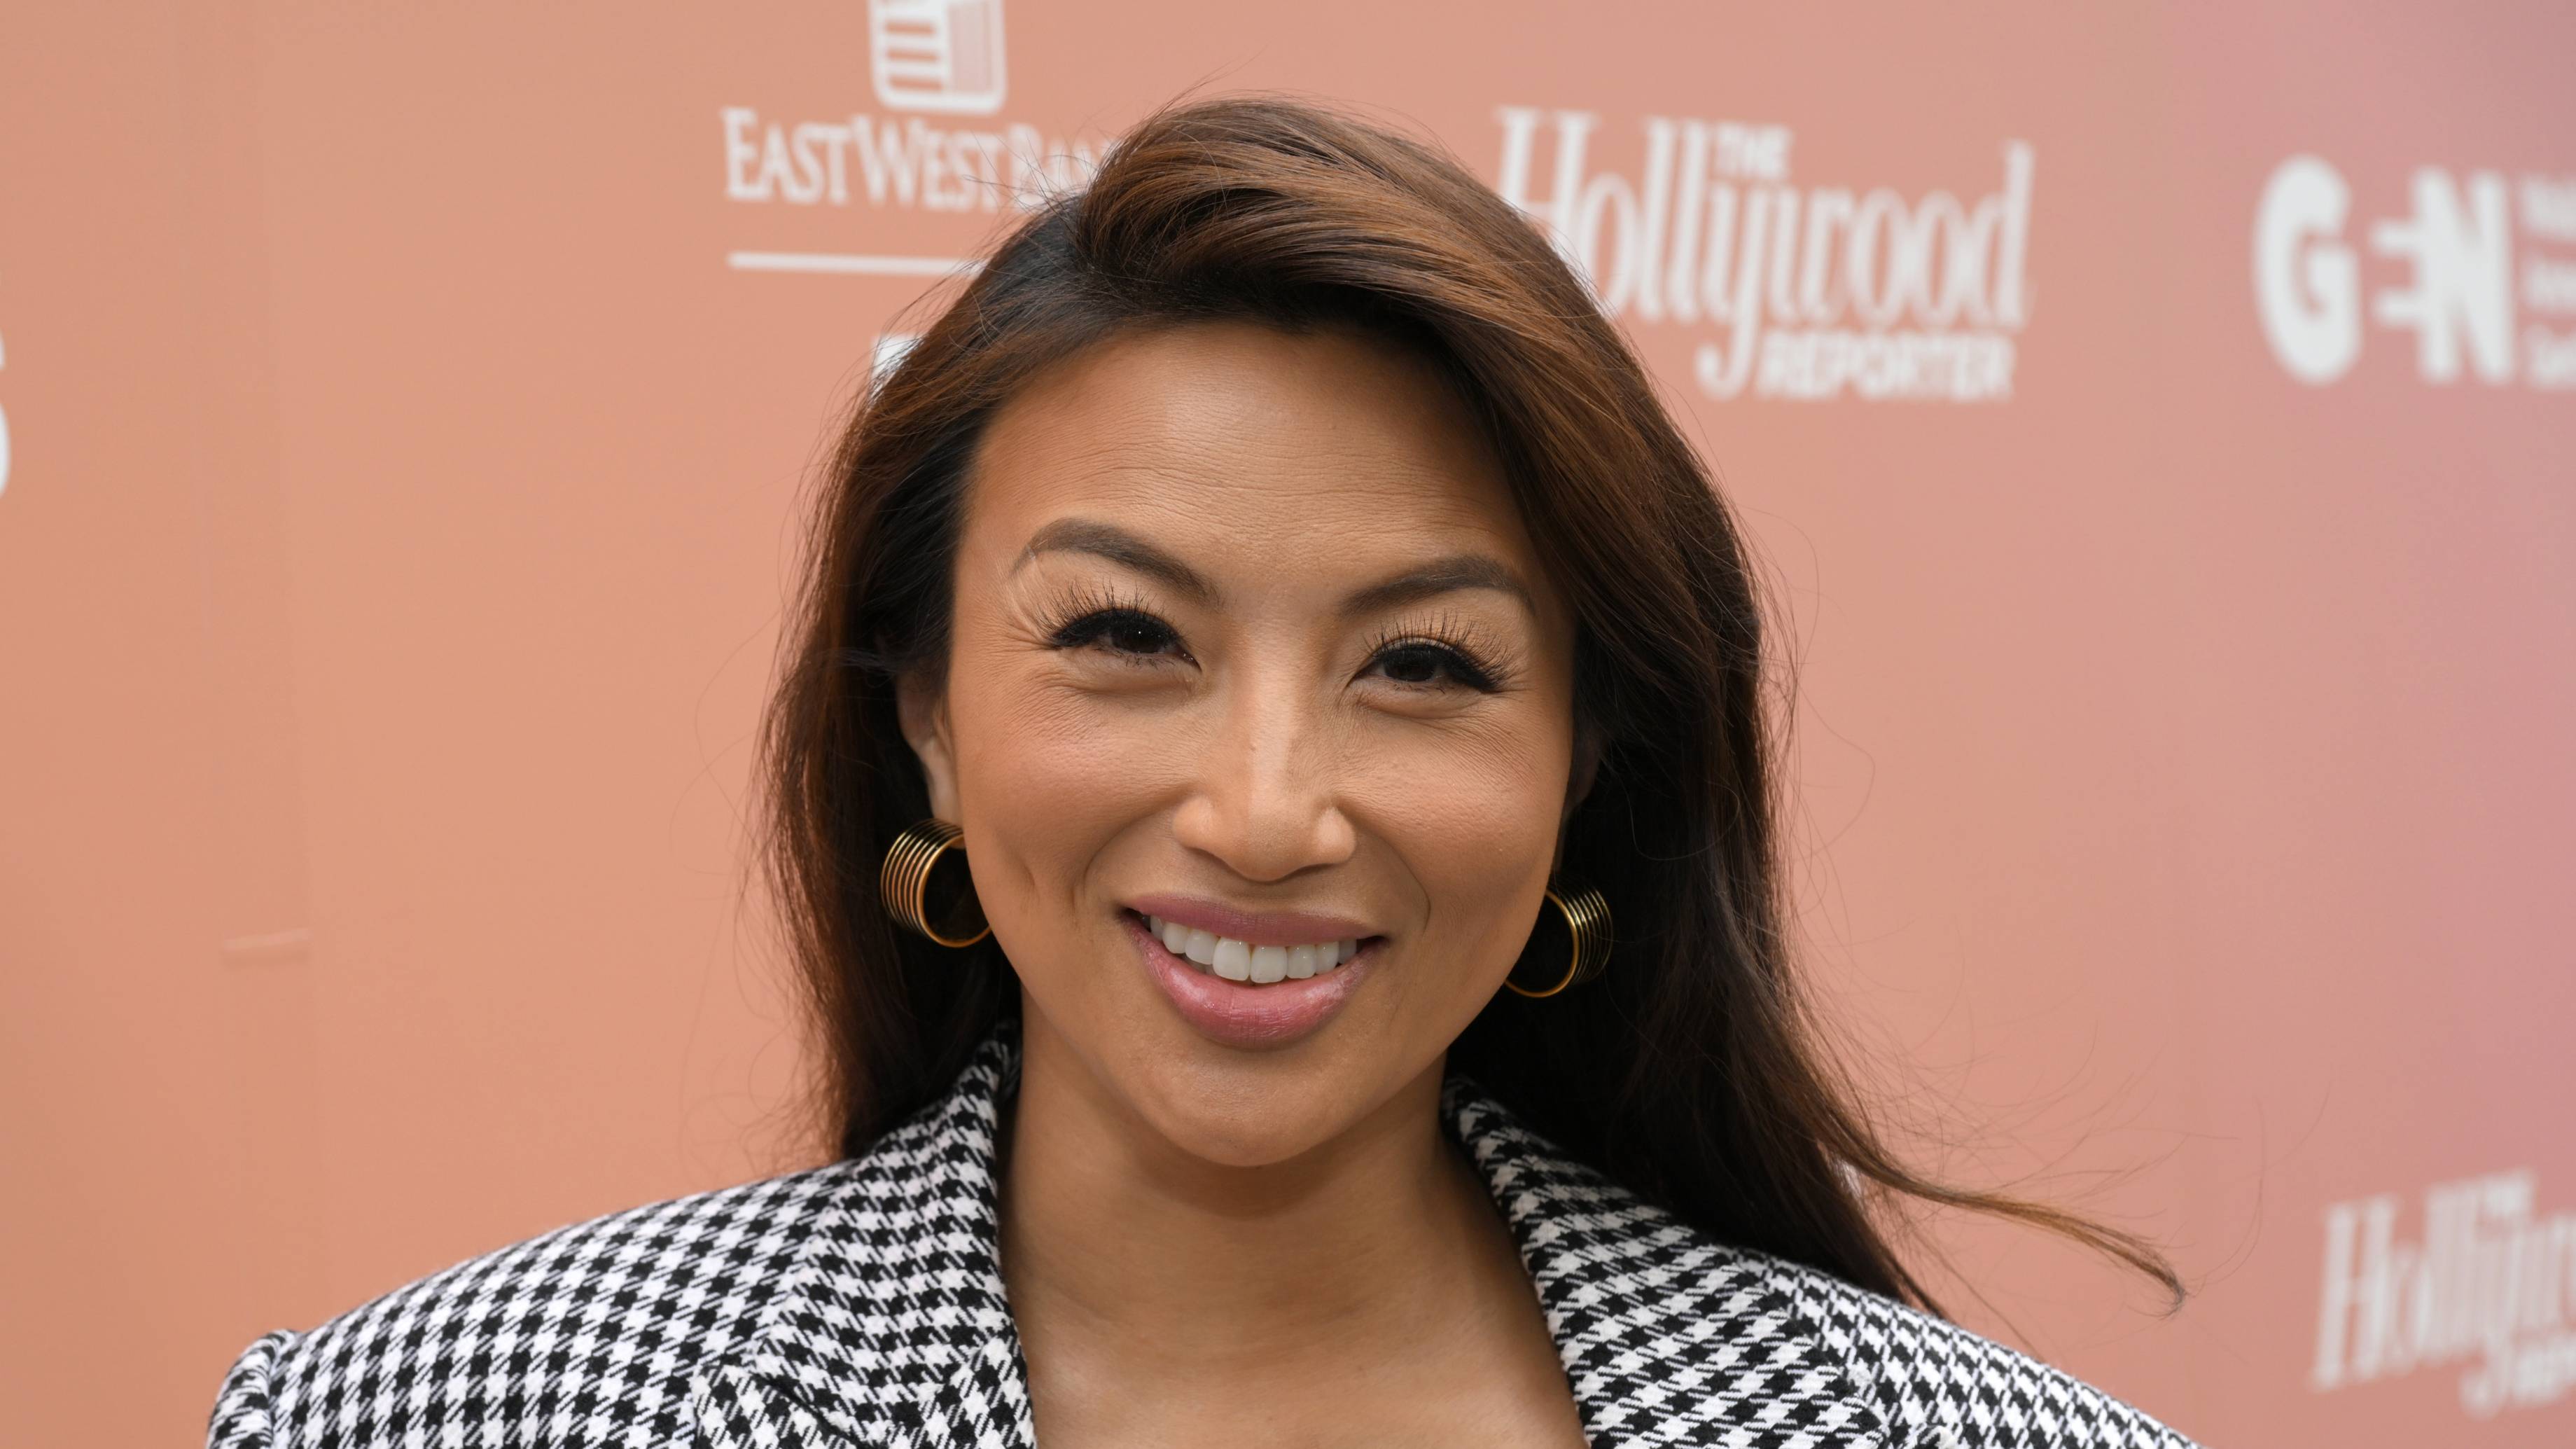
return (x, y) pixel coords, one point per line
(1260, 436)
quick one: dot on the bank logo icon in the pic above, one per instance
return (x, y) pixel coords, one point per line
(937, 55)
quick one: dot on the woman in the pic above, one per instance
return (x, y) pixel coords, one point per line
(1268, 591)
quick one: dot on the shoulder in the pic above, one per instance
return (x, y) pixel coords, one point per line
(1672, 1336)
(589, 1333)
(848, 1294)
(1937, 1385)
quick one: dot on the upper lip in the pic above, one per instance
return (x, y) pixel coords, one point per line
(1253, 928)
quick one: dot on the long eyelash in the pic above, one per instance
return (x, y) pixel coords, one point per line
(1459, 637)
(1083, 604)
(1078, 618)
(1091, 610)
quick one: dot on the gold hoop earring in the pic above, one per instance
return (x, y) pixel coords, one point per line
(1587, 925)
(904, 884)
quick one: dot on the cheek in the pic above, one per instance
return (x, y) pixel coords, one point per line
(1456, 821)
(1047, 780)
(1472, 815)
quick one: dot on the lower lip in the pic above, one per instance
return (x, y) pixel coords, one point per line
(1235, 1014)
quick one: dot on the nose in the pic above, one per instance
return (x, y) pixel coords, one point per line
(1263, 801)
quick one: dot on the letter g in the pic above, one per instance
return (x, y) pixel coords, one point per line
(2307, 286)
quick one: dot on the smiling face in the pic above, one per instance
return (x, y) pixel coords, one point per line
(1251, 655)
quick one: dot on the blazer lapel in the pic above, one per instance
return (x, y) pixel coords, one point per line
(892, 1330)
(1667, 1337)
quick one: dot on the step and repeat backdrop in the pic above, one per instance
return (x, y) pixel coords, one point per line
(2158, 425)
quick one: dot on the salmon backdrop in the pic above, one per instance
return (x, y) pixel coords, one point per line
(2155, 423)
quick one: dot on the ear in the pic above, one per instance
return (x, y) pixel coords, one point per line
(1578, 786)
(923, 707)
(1578, 778)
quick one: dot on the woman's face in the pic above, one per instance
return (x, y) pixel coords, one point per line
(1250, 640)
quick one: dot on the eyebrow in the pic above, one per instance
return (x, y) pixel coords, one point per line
(1447, 574)
(1107, 540)
(1440, 576)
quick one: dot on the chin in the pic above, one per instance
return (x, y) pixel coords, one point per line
(1243, 1109)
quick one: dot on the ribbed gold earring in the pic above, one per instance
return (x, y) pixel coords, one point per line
(1586, 915)
(905, 885)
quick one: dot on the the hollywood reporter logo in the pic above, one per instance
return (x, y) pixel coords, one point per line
(2476, 302)
(1813, 292)
(2491, 1284)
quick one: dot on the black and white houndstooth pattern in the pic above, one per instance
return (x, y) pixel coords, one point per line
(861, 1304)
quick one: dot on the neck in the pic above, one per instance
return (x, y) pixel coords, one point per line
(1112, 1235)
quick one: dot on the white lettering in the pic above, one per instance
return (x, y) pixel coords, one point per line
(1708, 232)
(2549, 207)
(902, 161)
(2549, 359)
(2462, 257)
(2490, 1282)
(2548, 285)
(739, 152)
(888, 160)
(2012, 246)
(777, 165)
(2307, 285)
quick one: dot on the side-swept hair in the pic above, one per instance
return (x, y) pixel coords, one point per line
(1691, 1070)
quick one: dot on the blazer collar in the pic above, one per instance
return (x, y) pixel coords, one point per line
(892, 1330)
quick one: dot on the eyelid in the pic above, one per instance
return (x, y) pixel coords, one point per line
(1089, 599)
(1094, 608)
(1474, 664)
(1451, 636)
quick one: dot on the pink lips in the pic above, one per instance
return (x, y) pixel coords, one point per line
(1238, 1014)
(1264, 928)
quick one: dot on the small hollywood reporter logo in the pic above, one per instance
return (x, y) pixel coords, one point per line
(943, 56)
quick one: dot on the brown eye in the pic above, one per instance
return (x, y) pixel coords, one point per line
(1120, 631)
(1427, 665)
(1136, 636)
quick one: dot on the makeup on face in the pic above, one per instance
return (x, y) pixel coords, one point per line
(1261, 701)
(1250, 994)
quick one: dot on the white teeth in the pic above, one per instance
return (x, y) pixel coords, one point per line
(1242, 961)
(1233, 959)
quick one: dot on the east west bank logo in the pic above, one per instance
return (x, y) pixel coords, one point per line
(1813, 293)
(937, 55)
(941, 59)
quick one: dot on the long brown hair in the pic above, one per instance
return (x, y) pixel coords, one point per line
(1691, 1070)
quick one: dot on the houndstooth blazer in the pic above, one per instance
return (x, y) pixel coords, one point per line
(861, 1304)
